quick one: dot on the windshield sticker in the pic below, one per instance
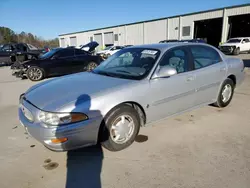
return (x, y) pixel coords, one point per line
(150, 52)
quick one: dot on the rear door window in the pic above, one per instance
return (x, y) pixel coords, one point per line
(65, 53)
(204, 56)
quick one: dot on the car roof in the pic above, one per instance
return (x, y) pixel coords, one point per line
(165, 46)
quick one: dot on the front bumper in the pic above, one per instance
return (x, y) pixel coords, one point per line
(19, 73)
(227, 49)
(79, 134)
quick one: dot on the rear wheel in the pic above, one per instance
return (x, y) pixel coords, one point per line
(120, 128)
(35, 73)
(226, 93)
(92, 65)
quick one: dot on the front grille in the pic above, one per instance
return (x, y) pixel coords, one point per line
(226, 48)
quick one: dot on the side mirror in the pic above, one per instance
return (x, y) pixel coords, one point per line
(165, 72)
(243, 42)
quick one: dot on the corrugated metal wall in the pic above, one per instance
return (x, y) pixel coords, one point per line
(238, 11)
(173, 24)
(121, 36)
(134, 34)
(154, 31)
(150, 30)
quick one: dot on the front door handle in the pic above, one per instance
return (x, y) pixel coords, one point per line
(190, 78)
(222, 69)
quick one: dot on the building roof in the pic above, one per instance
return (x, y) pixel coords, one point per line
(181, 15)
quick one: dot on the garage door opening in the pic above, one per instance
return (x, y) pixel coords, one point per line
(98, 39)
(108, 38)
(239, 26)
(210, 30)
(72, 41)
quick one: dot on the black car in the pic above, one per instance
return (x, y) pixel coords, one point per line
(9, 53)
(57, 62)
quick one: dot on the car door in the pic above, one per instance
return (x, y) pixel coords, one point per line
(210, 72)
(82, 59)
(176, 93)
(245, 45)
(61, 62)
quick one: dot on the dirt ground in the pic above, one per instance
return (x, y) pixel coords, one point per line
(208, 148)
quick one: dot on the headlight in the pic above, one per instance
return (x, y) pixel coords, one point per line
(55, 119)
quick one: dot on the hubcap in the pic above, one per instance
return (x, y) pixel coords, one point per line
(35, 74)
(122, 129)
(226, 93)
(92, 66)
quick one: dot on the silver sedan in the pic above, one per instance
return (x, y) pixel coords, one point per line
(133, 88)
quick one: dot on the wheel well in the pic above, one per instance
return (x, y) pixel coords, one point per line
(233, 78)
(135, 105)
(140, 111)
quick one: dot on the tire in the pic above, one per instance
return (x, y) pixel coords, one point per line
(236, 51)
(35, 69)
(221, 103)
(107, 134)
(91, 65)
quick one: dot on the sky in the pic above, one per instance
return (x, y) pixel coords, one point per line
(49, 18)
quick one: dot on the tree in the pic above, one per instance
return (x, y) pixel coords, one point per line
(7, 35)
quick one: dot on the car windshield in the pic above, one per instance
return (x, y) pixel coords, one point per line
(49, 54)
(129, 63)
(108, 47)
(234, 41)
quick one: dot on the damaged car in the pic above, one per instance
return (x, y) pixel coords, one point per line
(57, 62)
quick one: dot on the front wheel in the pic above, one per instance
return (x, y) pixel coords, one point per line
(236, 51)
(120, 128)
(35, 73)
(226, 93)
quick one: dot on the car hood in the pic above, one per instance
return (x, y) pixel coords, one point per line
(53, 94)
(33, 62)
(91, 45)
(230, 44)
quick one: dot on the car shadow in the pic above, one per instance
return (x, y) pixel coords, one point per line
(84, 165)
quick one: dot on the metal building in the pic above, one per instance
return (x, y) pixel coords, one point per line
(215, 26)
